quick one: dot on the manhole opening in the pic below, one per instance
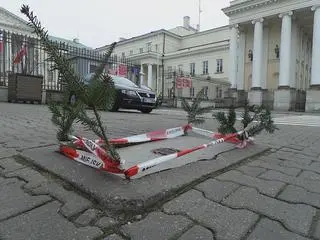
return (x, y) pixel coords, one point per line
(165, 151)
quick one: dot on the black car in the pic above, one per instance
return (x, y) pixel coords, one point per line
(131, 96)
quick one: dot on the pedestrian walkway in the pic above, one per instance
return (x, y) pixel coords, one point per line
(303, 120)
(290, 119)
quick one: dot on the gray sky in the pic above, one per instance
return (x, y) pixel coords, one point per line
(100, 22)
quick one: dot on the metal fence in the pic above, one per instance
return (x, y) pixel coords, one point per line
(215, 88)
(21, 54)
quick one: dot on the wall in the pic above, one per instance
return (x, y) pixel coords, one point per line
(205, 37)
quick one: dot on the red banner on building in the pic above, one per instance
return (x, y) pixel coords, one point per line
(122, 70)
(183, 82)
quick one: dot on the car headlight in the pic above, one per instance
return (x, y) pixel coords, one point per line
(129, 92)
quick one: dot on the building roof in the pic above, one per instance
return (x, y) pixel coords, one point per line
(72, 43)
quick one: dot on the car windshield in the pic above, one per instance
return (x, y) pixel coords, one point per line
(116, 79)
(123, 81)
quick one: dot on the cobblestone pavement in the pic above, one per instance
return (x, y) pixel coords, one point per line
(273, 196)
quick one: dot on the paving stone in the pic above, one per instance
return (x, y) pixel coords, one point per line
(34, 178)
(251, 170)
(197, 233)
(305, 151)
(296, 194)
(266, 165)
(297, 217)
(13, 200)
(310, 175)
(73, 202)
(316, 232)
(293, 146)
(45, 223)
(270, 188)
(106, 222)
(87, 217)
(310, 185)
(227, 223)
(215, 190)
(156, 225)
(113, 237)
(271, 230)
(9, 165)
(5, 152)
(8, 181)
(298, 158)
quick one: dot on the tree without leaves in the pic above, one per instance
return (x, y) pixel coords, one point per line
(98, 93)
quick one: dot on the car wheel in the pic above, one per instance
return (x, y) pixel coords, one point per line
(113, 107)
(146, 110)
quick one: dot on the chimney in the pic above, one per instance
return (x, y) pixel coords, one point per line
(186, 21)
(76, 40)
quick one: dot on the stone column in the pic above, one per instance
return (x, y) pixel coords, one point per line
(9, 51)
(313, 94)
(233, 56)
(255, 95)
(285, 50)
(241, 60)
(150, 77)
(242, 95)
(283, 96)
(141, 75)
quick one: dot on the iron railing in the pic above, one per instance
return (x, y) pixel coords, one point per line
(36, 60)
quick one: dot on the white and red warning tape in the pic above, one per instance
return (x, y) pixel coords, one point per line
(150, 136)
(93, 155)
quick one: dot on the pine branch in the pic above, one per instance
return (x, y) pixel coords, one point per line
(185, 105)
(195, 111)
(99, 92)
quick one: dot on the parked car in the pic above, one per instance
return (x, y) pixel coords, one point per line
(130, 96)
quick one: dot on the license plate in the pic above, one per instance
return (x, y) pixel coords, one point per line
(149, 100)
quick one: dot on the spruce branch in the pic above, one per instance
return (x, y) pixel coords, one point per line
(226, 121)
(99, 92)
(194, 111)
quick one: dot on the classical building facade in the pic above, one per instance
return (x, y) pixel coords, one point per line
(164, 55)
(268, 53)
(275, 52)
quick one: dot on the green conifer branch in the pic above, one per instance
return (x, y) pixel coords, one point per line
(99, 92)
(194, 111)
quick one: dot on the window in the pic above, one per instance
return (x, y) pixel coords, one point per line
(180, 69)
(192, 92)
(179, 92)
(219, 65)
(92, 68)
(123, 55)
(169, 72)
(205, 67)
(206, 88)
(192, 69)
(50, 76)
(131, 52)
(156, 47)
(141, 50)
(149, 46)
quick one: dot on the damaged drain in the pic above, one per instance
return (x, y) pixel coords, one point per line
(165, 151)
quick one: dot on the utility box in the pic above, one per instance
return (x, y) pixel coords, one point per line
(23, 87)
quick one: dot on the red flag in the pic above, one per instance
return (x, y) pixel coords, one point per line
(20, 55)
(183, 82)
(1, 41)
(122, 70)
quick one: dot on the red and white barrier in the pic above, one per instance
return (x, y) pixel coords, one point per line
(156, 161)
(150, 136)
(92, 154)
